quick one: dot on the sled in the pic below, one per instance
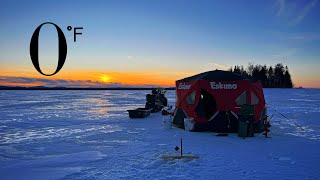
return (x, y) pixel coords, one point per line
(139, 112)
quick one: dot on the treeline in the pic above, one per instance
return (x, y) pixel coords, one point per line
(270, 77)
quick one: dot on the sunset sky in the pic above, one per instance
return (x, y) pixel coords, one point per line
(154, 43)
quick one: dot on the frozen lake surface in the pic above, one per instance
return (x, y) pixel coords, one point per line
(88, 135)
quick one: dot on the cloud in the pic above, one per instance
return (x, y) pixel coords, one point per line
(296, 37)
(293, 12)
(25, 81)
(213, 66)
(305, 37)
(303, 12)
(220, 66)
(285, 54)
(281, 4)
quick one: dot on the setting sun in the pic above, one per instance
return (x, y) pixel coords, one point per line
(105, 78)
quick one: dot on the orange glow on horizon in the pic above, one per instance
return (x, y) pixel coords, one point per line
(92, 78)
(20, 84)
(89, 78)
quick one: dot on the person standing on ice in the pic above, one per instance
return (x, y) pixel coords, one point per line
(266, 125)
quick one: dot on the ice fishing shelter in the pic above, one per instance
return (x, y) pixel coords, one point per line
(214, 100)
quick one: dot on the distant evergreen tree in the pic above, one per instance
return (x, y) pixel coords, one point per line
(287, 77)
(277, 77)
(237, 70)
(256, 72)
(270, 77)
(243, 72)
(263, 76)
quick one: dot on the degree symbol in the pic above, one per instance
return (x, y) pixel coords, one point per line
(69, 28)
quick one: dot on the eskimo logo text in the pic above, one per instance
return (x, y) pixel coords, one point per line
(184, 86)
(220, 85)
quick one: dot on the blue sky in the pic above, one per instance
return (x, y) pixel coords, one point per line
(169, 36)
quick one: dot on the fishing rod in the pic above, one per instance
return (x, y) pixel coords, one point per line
(271, 117)
(285, 117)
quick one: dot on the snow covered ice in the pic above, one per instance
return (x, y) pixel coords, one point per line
(88, 134)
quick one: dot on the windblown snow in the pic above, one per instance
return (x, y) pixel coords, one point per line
(88, 135)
